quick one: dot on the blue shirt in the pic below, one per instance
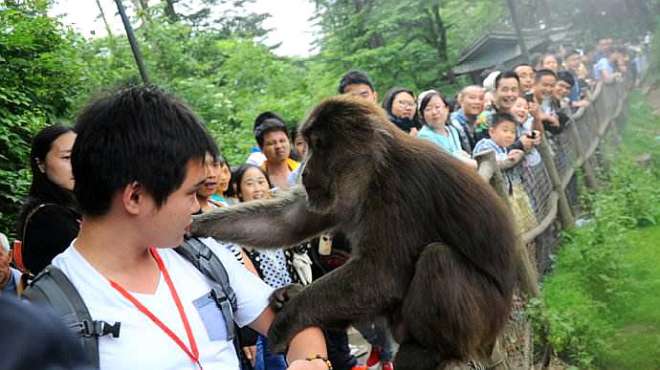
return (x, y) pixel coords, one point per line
(465, 129)
(602, 65)
(512, 175)
(450, 143)
(501, 153)
(12, 284)
(575, 90)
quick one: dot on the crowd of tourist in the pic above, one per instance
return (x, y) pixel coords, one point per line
(137, 183)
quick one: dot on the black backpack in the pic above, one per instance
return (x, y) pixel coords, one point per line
(53, 288)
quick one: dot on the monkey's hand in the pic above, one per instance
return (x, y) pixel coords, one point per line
(281, 296)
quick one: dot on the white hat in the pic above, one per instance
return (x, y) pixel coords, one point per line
(421, 96)
(489, 82)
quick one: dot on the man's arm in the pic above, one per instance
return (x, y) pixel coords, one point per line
(307, 344)
(535, 112)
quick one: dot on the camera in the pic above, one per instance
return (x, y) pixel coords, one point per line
(529, 96)
(531, 135)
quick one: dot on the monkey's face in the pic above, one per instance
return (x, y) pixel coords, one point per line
(319, 174)
(345, 140)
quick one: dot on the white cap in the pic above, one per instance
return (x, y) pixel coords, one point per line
(489, 82)
(421, 96)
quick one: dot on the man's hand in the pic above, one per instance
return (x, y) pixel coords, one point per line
(552, 120)
(534, 109)
(250, 353)
(527, 142)
(580, 103)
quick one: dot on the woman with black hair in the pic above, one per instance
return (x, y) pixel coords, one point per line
(434, 114)
(399, 103)
(49, 219)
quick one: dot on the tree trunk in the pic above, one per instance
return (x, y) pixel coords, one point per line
(170, 12)
(440, 33)
(105, 20)
(142, 10)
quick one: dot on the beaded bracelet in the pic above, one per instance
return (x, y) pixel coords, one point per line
(324, 359)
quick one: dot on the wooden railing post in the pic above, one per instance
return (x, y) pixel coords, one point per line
(565, 214)
(589, 177)
(488, 170)
(525, 267)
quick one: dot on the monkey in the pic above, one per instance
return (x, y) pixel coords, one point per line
(433, 245)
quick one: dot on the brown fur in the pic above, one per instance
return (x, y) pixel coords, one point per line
(432, 243)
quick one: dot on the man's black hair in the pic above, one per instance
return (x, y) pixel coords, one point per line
(354, 77)
(504, 75)
(500, 117)
(267, 122)
(566, 76)
(138, 134)
(544, 72)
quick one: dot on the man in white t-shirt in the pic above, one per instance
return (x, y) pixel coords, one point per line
(138, 163)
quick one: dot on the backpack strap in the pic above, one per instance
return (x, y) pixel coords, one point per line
(203, 258)
(206, 262)
(53, 288)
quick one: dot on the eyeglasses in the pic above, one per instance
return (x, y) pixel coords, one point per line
(406, 104)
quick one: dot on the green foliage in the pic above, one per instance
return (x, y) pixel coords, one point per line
(40, 74)
(637, 325)
(212, 61)
(576, 328)
(592, 283)
(411, 44)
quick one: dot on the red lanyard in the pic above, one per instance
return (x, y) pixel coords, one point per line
(193, 352)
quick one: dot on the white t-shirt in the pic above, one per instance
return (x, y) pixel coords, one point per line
(143, 345)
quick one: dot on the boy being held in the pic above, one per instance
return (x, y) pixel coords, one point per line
(502, 132)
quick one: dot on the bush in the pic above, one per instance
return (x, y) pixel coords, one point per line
(40, 74)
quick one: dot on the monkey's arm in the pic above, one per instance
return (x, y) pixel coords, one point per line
(283, 221)
(361, 288)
